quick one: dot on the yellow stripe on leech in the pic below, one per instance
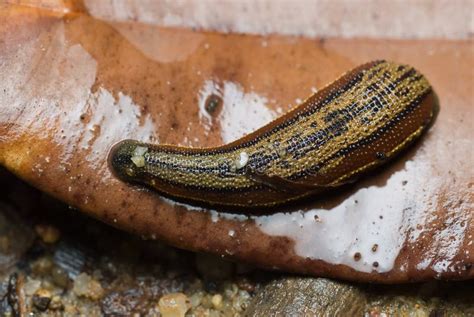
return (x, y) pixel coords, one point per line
(395, 150)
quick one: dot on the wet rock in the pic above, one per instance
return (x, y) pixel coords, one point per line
(425, 299)
(300, 296)
(70, 258)
(303, 296)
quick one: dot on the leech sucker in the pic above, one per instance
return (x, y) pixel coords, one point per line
(357, 123)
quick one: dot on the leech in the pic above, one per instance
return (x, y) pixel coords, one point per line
(357, 123)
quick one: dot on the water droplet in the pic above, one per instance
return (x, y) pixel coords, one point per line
(212, 103)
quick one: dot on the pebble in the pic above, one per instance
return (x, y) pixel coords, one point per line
(41, 299)
(60, 277)
(174, 305)
(196, 299)
(31, 286)
(42, 266)
(56, 303)
(86, 286)
(47, 233)
(217, 301)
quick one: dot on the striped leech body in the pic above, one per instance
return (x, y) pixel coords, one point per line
(353, 125)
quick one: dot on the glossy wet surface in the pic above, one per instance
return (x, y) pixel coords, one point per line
(73, 86)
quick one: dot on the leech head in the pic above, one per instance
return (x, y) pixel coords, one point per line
(127, 159)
